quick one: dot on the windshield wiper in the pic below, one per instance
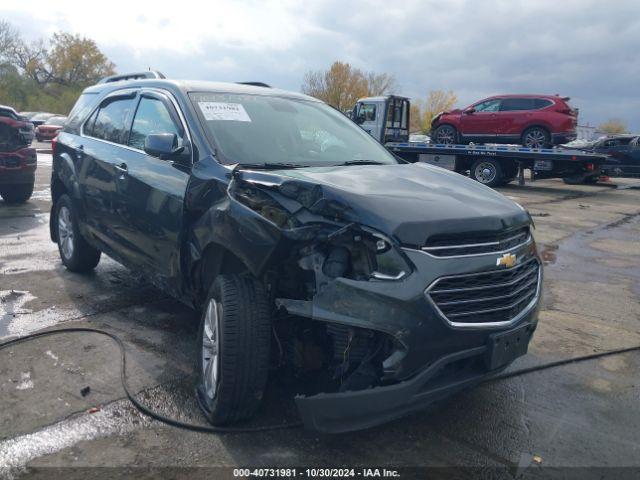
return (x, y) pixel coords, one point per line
(363, 162)
(267, 166)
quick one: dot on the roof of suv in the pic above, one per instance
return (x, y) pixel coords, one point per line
(528, 95)
(187, 86)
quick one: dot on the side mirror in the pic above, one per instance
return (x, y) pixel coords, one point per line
(162, 145)
(469, 111)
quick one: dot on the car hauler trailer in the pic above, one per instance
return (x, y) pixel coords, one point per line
(386, 118)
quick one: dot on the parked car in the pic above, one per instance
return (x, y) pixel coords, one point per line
(380, 286)
(40, 118)
(624, 154)
(17, 174)
(49, 129)
(534, 121)
(15, 131)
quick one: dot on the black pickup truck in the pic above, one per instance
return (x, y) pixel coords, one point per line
(377, 285)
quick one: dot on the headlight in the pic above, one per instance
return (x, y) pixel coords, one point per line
(362, 254)
(389, 263)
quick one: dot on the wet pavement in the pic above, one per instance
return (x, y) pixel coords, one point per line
(580, 415)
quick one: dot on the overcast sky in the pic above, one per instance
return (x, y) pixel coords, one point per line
(586, 49)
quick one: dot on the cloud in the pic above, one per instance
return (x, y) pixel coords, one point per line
(576, 48)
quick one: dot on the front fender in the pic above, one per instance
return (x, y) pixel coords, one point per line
(64, 180)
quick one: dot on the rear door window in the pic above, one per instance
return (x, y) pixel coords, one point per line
(152, 116)
(111, 119)
(517, 104)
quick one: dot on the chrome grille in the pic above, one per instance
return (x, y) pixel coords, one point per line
(476, 244)
(496, 297)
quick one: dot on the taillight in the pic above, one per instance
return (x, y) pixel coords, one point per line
(54, 144)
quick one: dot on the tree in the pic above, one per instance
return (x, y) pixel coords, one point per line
(416, 117)
(77, 61)
(342, 85)
(9, 36)
(613, 126)
(437, 101)
(380, 84)
(48, 75)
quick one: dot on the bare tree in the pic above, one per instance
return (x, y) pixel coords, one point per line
(380, 83)
(437, 101)
(342, 85)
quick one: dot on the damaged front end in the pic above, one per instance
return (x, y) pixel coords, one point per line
(353, 323)
(325, 246)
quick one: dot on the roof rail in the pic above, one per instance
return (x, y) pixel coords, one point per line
(255, 84)
(132, 76)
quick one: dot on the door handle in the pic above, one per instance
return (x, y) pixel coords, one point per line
(122, 168)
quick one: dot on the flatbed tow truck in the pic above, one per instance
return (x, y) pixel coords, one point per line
(386, 118)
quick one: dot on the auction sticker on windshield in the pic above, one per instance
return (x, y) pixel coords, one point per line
(224, 111)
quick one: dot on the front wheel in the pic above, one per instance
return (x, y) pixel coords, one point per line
(487, 172)
(76, 254)
(445, 134)
(234, 344)
(16, 193)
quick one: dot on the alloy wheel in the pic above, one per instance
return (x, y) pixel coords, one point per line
(535, 138)
(65, 232)
(446, 135)
(211, 348)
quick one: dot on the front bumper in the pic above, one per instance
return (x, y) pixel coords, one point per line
(356, 410)
(432, 345)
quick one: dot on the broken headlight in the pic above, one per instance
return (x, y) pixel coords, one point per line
(389, 262)
(362, 254)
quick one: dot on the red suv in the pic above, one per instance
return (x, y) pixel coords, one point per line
(535, 121)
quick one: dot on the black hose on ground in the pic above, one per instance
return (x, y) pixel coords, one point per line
(141, 407)
(213, 429)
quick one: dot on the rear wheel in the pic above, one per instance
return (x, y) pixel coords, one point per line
(536, 137)
(580, 179)
(234, 343)
(488, 172)
(16, 193)
(445, 134)
(76, 254)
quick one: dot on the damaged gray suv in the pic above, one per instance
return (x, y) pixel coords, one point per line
(379, 286)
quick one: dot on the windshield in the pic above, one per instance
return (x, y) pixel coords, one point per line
(257, 129)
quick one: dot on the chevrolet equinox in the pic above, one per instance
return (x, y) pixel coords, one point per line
(308, 248)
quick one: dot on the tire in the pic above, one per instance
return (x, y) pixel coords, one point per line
(536, 137)
(580, 179)
(76, 254)
(16, 193)
(487, 172)
(445, 134)
(234, 344)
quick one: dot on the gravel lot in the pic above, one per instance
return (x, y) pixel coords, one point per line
(581, 415)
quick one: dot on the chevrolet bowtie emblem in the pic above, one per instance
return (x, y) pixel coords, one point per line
(508, 260)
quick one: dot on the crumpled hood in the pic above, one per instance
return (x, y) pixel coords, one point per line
(409, 202)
